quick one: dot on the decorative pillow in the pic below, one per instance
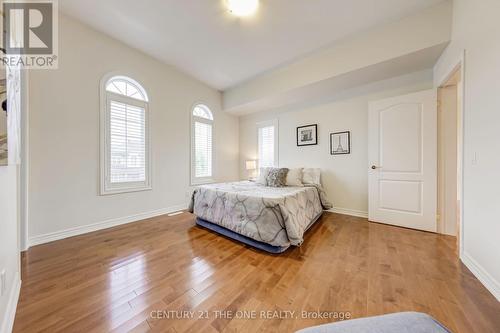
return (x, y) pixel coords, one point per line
(277, 177)
(263, 173)
(294, 177)
(311, 176)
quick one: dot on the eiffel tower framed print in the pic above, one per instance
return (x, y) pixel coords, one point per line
(340, 143)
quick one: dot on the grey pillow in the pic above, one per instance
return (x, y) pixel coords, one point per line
(277, 177)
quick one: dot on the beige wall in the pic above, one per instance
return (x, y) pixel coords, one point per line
(64, 133)
(476, 29)
(345, 177)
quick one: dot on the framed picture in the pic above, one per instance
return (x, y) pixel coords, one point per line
(340, 143)
(307, 135)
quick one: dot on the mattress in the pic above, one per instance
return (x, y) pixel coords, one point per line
(275, 216)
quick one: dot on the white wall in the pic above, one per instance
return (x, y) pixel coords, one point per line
(64, 134)
(476, 29)
(9, 251)
(345, 177)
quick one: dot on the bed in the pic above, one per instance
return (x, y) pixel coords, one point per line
(269, 218)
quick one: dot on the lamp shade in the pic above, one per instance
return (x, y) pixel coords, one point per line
(251, 165)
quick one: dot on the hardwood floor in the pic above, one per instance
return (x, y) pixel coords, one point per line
(116, 279)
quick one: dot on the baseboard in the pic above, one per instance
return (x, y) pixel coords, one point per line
(10, 312)
(53, 236)
(482, 275)
(351, 212)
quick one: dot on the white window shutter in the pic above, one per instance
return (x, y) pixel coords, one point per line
(267, 146)
(202, 150)
(127, 143)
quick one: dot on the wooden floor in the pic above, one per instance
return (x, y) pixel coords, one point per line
(122, 279)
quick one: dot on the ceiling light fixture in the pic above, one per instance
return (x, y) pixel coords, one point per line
(243, 7)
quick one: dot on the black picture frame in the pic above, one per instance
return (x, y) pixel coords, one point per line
(338, 150)
(313, 139)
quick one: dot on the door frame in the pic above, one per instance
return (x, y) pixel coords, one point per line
(24, 181)
(458, 65)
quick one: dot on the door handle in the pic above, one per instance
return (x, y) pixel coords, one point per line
(375, 167)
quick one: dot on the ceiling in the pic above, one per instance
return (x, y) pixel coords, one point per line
(333, 87)
(202, 39)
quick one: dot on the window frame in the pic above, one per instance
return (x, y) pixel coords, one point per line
(106, 187)
(194, 181)
(263, 124)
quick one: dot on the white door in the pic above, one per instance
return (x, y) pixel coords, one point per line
(403, 161)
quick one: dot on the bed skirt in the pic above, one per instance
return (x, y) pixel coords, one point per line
(246, 240)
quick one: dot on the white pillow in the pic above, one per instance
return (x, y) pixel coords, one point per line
(294, 177)
(311, 176)
(263, 173)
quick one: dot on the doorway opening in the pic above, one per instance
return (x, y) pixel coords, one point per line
(450, 143)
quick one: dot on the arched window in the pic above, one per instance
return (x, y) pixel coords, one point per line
(125, 146)
(125, 86)
(202, 159)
